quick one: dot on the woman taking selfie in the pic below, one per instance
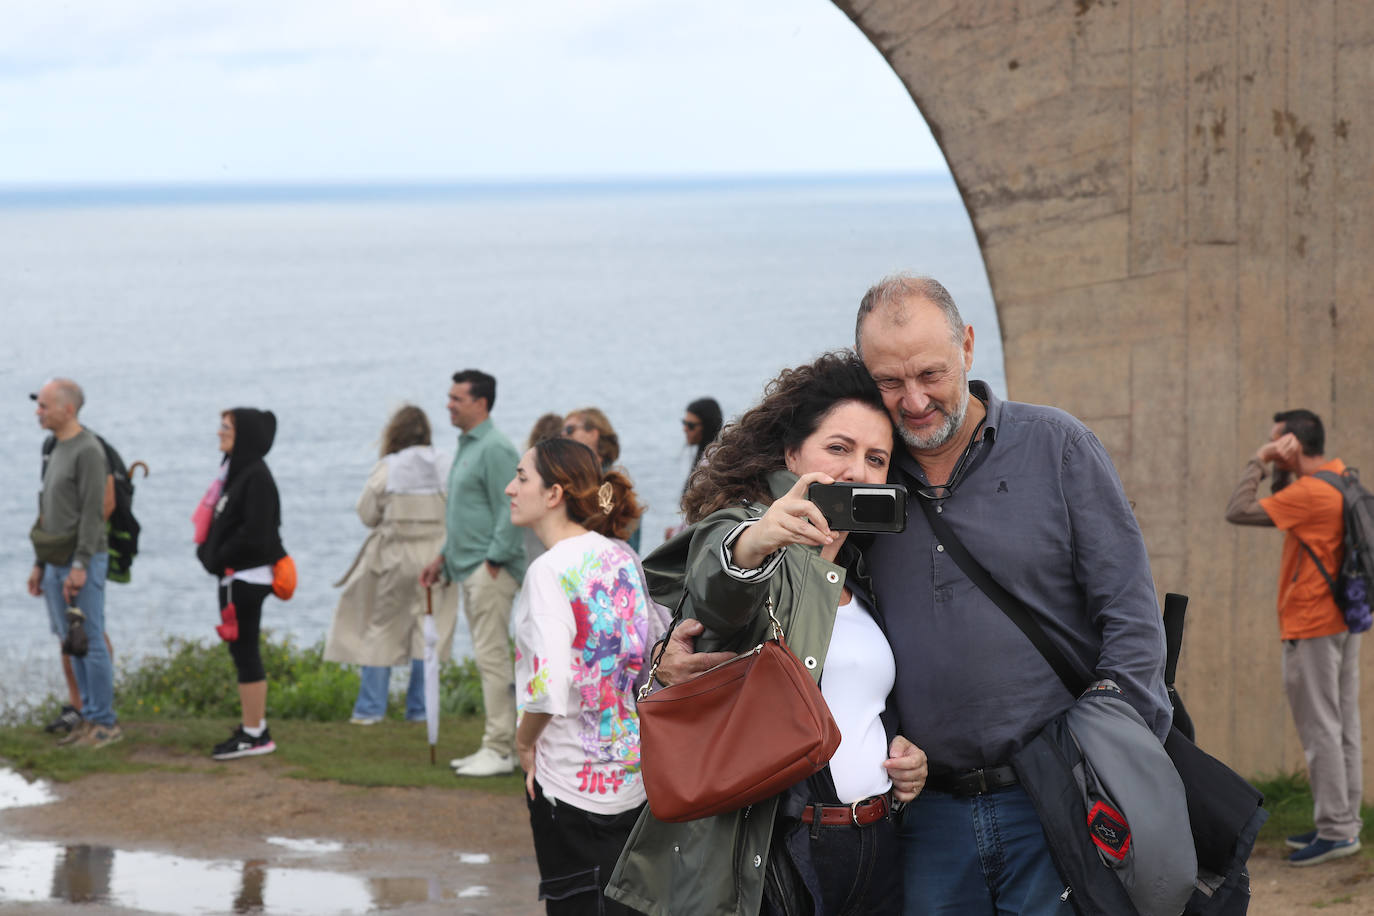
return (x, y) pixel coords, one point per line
(582, 628)
(754, 536)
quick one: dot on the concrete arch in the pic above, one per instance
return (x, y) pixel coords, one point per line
(1173, 203)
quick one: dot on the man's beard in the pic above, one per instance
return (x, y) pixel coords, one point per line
(945, 431)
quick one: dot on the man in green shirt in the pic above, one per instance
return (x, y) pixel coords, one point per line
(485, 554)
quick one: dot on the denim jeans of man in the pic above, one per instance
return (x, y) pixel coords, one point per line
(375, 688)
(95, 672)
(980, 856)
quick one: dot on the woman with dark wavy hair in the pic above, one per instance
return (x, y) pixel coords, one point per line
(828, 844)
(582, 628)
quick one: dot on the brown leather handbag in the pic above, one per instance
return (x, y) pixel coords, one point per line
(734, 735)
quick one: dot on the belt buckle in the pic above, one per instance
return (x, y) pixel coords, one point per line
(854, 812)
(982, 780)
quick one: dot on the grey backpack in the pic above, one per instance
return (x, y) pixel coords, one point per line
(1350, 587)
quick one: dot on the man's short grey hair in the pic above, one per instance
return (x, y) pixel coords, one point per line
(70, 392)
(897, 290)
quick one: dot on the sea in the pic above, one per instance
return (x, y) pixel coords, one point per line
(332, 306)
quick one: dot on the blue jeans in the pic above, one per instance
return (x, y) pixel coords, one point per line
(375, 686)
(981, 856)
(95, 672)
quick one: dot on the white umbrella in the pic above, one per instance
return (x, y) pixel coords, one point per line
(431, 675)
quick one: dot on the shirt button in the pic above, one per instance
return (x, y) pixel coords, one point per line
(758, 860)
(832, 577)
(940, 548)
(811, 662)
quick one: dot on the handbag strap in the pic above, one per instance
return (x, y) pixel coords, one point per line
(662, 645)
(1016, 609)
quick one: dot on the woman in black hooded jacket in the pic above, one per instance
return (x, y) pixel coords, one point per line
(241, 549)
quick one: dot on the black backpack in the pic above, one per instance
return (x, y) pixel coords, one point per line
(121, 528)
(1351, 585)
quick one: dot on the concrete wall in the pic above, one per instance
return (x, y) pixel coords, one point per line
(1175, 203)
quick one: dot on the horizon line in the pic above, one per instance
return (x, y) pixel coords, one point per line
(210, 190)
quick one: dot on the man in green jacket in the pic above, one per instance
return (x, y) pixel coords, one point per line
(485, 554)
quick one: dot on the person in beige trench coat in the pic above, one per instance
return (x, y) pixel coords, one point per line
(377, 623)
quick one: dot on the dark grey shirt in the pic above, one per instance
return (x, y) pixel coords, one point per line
(1039, 503)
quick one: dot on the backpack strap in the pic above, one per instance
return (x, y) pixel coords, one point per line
(1330, 582)
(1332, 478)
(1336, 481)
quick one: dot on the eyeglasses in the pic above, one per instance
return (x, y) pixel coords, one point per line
(946, 490)
(691, 424)
(943, 491)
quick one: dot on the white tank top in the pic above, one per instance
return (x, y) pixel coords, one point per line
(859, 673)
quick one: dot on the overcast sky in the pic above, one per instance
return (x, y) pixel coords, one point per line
(113, 91)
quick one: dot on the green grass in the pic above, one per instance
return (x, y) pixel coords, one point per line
(387, 754)
(176, 706)
(1288, 799)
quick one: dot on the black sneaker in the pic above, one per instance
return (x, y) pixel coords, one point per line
(242, 744)
(64, 723)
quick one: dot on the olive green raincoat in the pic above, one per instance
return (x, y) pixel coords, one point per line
(716, 866)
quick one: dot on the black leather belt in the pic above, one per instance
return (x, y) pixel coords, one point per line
(968, 783)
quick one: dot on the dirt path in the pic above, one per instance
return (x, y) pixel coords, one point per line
(250, 839)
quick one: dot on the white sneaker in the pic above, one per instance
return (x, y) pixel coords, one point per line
(457, 762)
(365, 720)
(486, 762)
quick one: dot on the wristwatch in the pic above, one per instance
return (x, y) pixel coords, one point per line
(79, 564)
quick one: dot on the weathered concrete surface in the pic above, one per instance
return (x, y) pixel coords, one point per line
(1175, 203)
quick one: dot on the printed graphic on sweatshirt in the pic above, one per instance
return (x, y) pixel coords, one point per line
(608, 652)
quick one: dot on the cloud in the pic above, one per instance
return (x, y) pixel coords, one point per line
(153, 90)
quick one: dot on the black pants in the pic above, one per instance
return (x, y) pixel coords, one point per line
(248, 601)
(860, 869)
(577, 851)
(847, 871)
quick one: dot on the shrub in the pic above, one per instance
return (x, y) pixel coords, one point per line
(192, 679)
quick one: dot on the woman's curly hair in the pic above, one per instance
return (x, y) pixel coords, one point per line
(736, 468)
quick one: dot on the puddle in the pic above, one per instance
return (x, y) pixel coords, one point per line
(309, 847)
(18, 792)
(34, 872)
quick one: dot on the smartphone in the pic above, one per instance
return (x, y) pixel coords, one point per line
(879, 507)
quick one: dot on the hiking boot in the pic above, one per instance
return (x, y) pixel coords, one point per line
(76, 734)
(1320, 850)
(242, 744)
(98, 735)
(66, 720)
(1301, 840)
(486, 762)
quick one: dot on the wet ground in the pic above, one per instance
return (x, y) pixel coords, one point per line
(249, 840)
(246, 838)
